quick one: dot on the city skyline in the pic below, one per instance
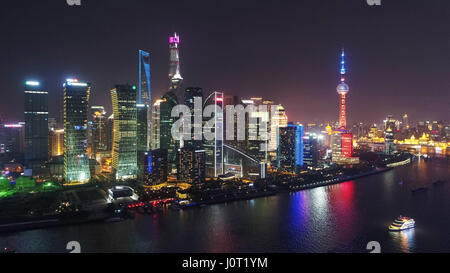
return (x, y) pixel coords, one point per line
(224, 127)
(246, 74)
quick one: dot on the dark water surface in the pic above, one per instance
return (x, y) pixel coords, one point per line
(342, 217)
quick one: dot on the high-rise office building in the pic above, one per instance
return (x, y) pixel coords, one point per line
(310, 150)
(342, 148)
(12, 142)
(56, 142)
(279, 120)
(190, 95)
(145, 96)
(231, 117)
(405, 122)
(124, 151)
(271, 108)
(336, 146)
(156, 125)
(347, 145)
(198, 174)
(175, 79)
(109, 132)
(214, 124)
(391, 122)
(166, 141)
(191, 165)
(97, 131)
(259, 129)
(389, 141)
(76, 163)
(36, 124)
(290, 149)
(142, 133)
(162, 116)
(238, 139)
(156, 166)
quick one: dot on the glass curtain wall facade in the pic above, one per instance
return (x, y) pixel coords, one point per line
(214, 148)
(76, 162)
(145, 96)
(124, 152)
(36, 124)
(166, 141)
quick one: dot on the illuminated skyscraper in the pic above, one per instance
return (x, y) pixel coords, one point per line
(232, 101)
(258, 140)
(310, 150)
(56, 142)
(166, 141)
(191, 165)
(175, 78)
(109, 132)
(279, 120)
(405, 122)
(157, 167)
(12, 142)
(36, 124)
(189, 97)
(389, 141)
(145, 97)
(347, 145)
(391, 122)
(336, 146)
(290, 149)
(125, 129)
(156, 122)
(342, 90)
(214, 124)
(142, 131)
(97, 130)
(76, 162)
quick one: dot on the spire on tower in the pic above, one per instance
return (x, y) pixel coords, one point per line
(342, 87)
(342, 90)
(343, 66)
(175, 78)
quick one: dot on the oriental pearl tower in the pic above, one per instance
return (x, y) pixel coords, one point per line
(342, 90)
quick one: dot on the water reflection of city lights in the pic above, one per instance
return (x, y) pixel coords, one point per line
(404, 239)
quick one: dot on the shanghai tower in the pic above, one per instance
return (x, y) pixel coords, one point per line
(175, 78)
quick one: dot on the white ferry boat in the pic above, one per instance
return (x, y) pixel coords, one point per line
(402, 223)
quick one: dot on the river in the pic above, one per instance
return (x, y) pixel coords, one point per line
(337, 218)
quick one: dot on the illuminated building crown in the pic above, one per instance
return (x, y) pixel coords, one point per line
(342, 88)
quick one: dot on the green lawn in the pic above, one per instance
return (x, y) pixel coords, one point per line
(23, 185)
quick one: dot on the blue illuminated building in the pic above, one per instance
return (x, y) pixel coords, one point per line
(144, 100)
(145, 95)
(157, 167)
(290, 149)
(298, 144)
(149, 163)
(310, 150)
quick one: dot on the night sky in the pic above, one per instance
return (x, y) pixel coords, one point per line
(398, 55)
